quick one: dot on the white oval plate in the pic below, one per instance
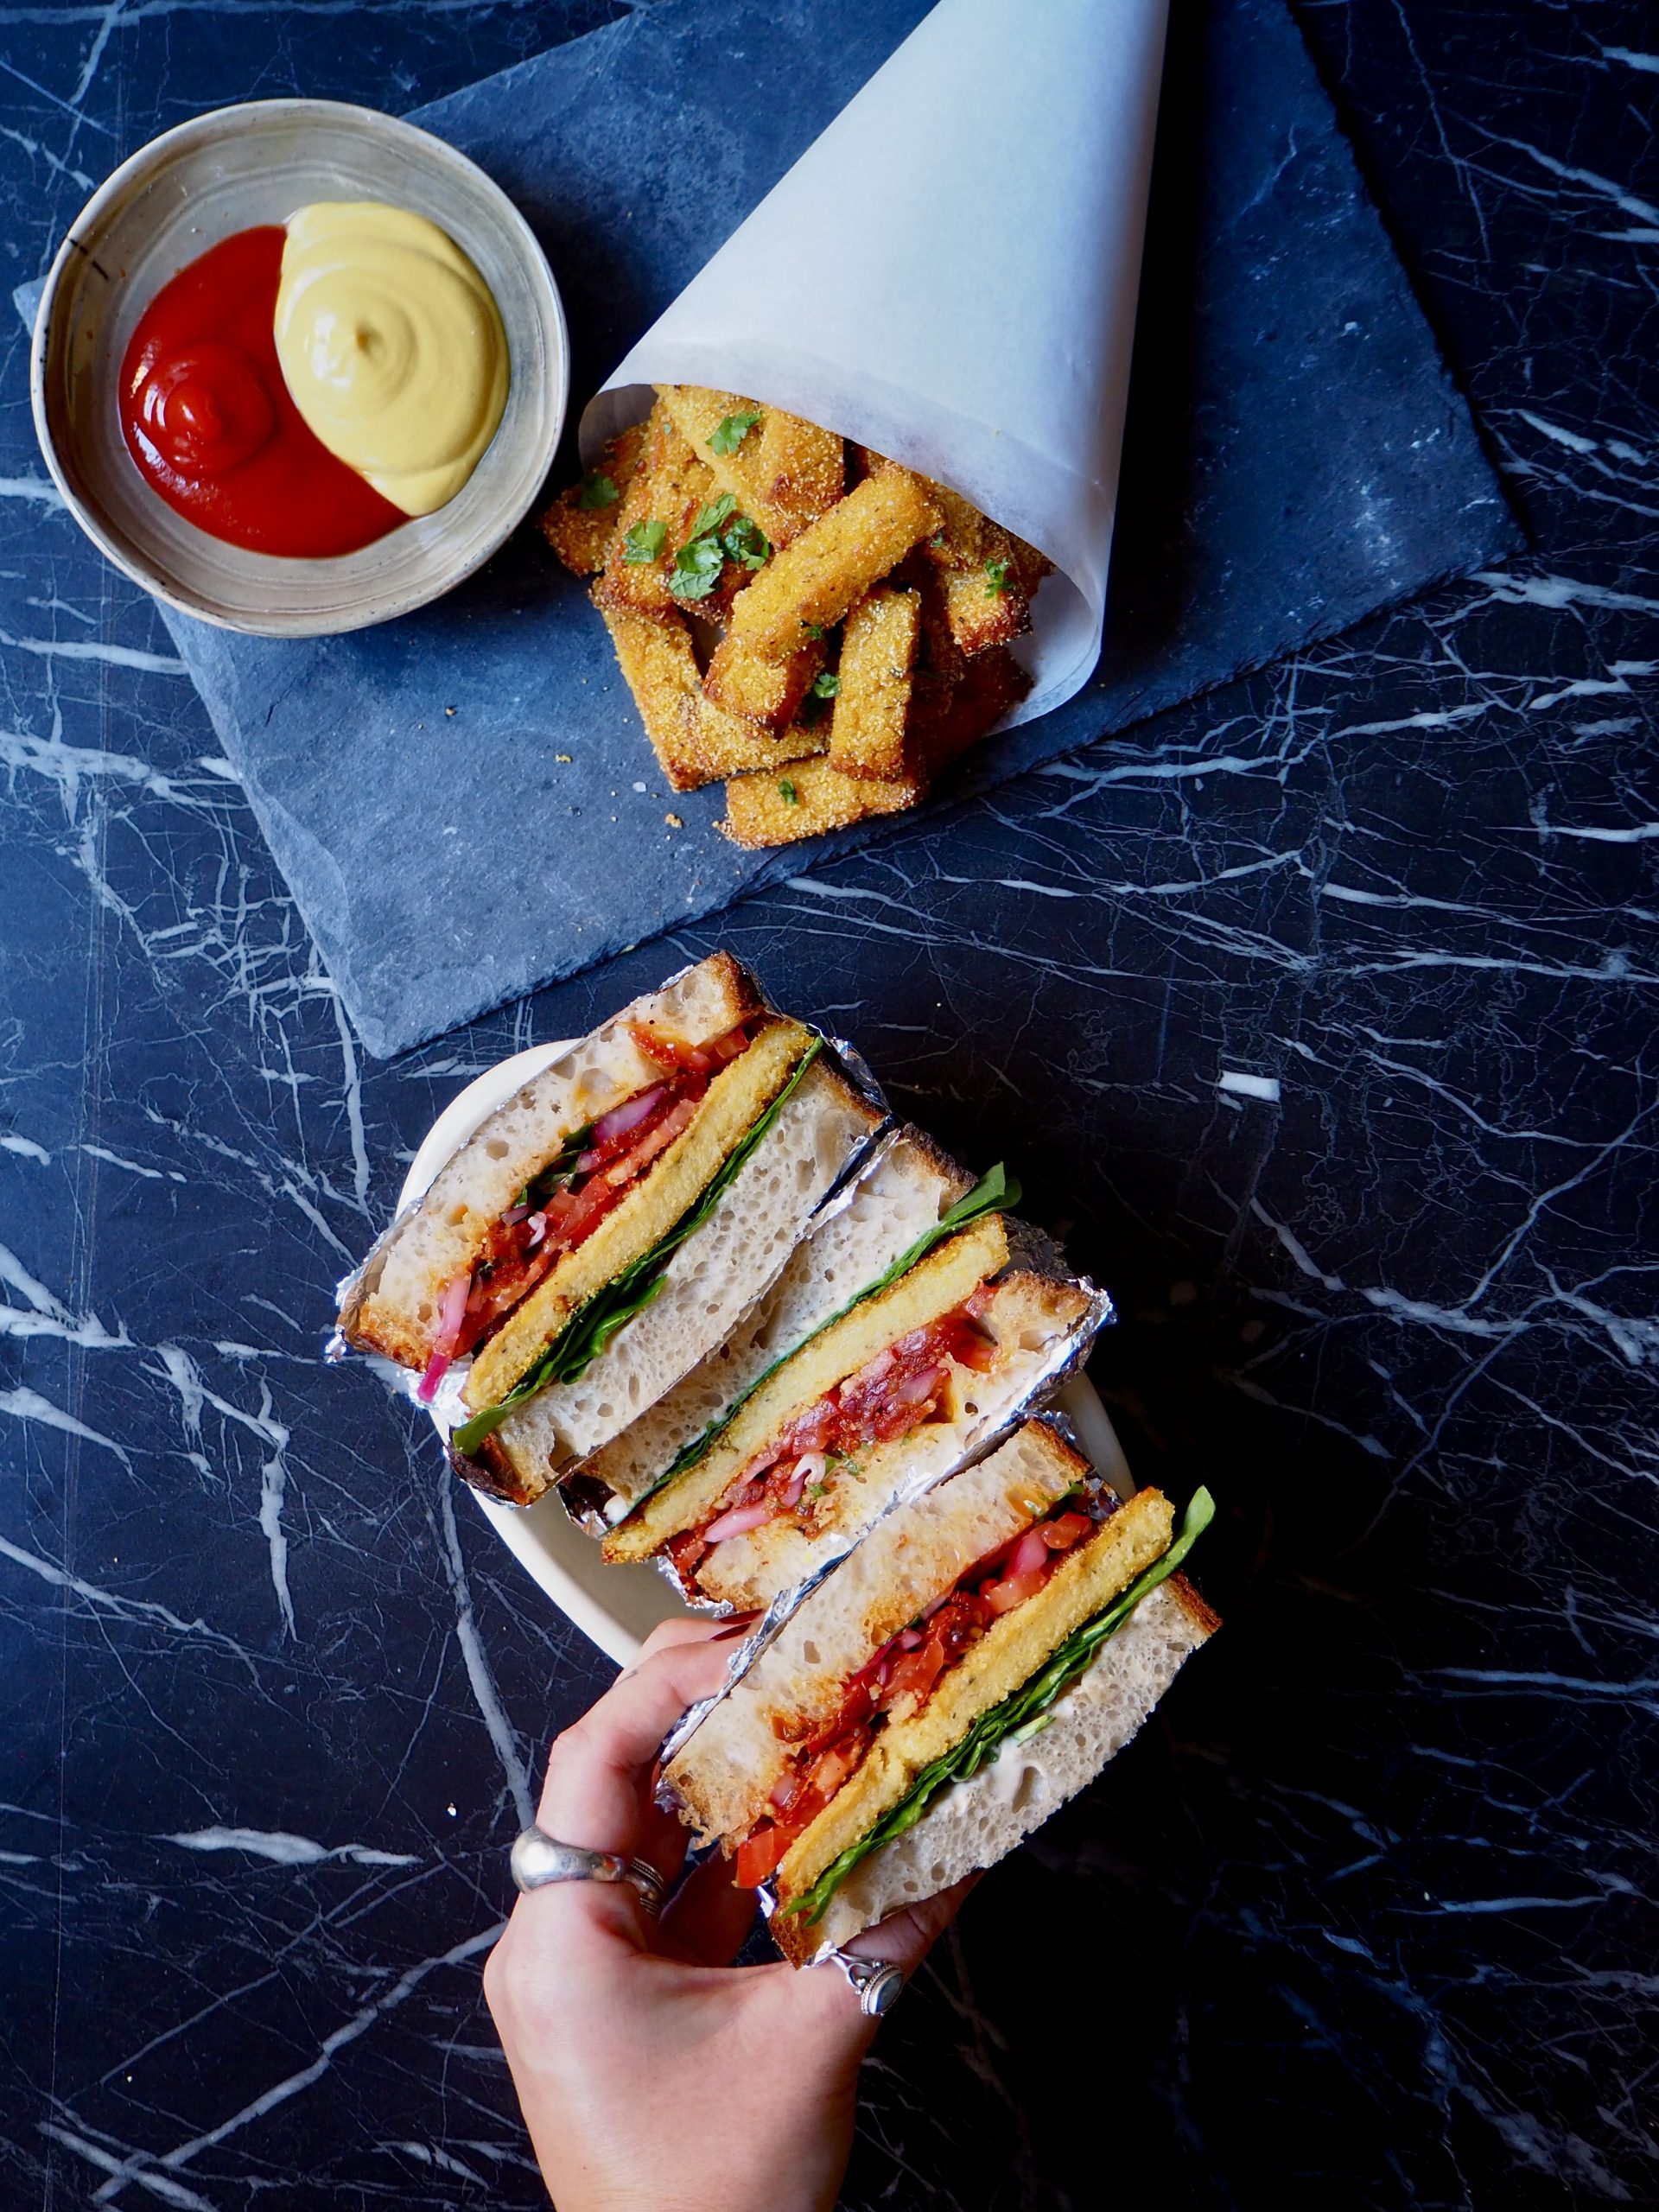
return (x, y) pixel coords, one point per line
(617, 1607)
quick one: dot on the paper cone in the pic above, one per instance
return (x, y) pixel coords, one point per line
(949, 274)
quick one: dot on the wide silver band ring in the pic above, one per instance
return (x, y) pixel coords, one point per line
(537, 1858)
(878, 1983)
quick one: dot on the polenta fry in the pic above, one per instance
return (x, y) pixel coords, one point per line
(656, 516)
(803, 798)
(812, 582)
(660, 669)
(866, 735)
(768, 691)
(781, 471)
(579, 524)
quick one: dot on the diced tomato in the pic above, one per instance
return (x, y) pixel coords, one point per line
(685, 1555)
(916, 1673)
(1061, 1534)
(675, 1052)
(1013, 1590)
(761, 1854)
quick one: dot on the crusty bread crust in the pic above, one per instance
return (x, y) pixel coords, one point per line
(726, 1769)
(905, 1188)
(974, 1823)
(1025, 1314)
(729, 1262)
(391, 1306)
(948, 1276)
(1006, 1656)
(743, 1090)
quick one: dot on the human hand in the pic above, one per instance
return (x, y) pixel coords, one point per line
(654, 2076)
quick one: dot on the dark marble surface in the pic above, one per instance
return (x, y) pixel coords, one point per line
(1365, 1918)
(1275, 296)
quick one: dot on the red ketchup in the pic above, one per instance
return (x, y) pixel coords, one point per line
(207, 416)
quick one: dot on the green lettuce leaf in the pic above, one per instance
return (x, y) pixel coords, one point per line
(995, 1192)
(1022, 1714)
(592, 1326)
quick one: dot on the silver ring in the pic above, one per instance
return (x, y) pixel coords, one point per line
(537, 1858)
(878, 1983)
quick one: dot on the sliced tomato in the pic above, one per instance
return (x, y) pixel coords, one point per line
(1013, 1590)
(1064, 1530)
(915, 1676)
(761, 1854)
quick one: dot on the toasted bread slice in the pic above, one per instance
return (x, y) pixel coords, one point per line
(768, 691)
(905, 1189)
(579, 524)
(867, 734)
(813, 582)
(977, 1821)
(714, 1278)
(735, 1097)
(937, 1285)
(805, 798)
(783, 473)
(1026, 1316)
(391, 1304)
(725, 1773)
(1004, 1660)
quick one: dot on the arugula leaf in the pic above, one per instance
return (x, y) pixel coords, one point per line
(996, 1192)
(790, 796)
(732, 432)
(997, 579)
(644, 542)
(591, 1327)
(544, 1182)
(597, 490)
(1022, 1715)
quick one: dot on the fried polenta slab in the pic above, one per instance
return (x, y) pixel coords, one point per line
(812, 582)
(660, 668)
(803, 798)
(579, 524)
(872, 701)
(768, 691)
(988, 574)
(727, 745)
(783, 473)
(951, 716)
(667, 492)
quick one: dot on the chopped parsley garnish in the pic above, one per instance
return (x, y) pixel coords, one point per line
(717, 535)
(733, 431)
(825, 685)
(747, 543)
(790, 796)
(815, 704)
(644, 542)
(814, 631)
(597, 490)
(997, 579)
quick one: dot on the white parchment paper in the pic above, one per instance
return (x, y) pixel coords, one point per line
(949, 274)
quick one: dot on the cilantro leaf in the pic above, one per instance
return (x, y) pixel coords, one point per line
(825, 685)
(713, 515)
(746, 542)
(696, 568)
(790, 796)
(597, 490)
(997, 579)
(732, 432)
(644, 542)
(1020, 1716)
(591, 1327)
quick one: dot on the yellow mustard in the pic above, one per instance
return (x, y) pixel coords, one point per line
(391, 348)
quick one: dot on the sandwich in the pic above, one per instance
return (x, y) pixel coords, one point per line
(875, 1407)
(972, 1664)
(598, 1235)
(903, 1198)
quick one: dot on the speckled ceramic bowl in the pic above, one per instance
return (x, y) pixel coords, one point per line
(179, 195)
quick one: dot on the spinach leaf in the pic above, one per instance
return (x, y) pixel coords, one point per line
(1022, 1714)
(592, 1326)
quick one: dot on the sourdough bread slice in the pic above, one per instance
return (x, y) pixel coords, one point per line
(716, 1274)
(667, 1191)
(975, 1822)
(391, 1305)
(727, 1768)
(1006, 1658)
(935, 1286)
(907, 1186)
(1025, 1314)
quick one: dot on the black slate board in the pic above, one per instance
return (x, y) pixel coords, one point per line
(1295, 458)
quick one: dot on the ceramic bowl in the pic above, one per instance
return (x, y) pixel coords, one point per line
(617, 1607)
(182, 193)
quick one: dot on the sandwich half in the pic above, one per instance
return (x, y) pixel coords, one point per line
(904, 1194)
(885, 1401)
(974, 1662)
(641, 1192)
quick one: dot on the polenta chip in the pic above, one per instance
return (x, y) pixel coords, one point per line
(579, 524)
(803, 798)
(811, 583)
(768, 691)
(866, 735)
(781, 471)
